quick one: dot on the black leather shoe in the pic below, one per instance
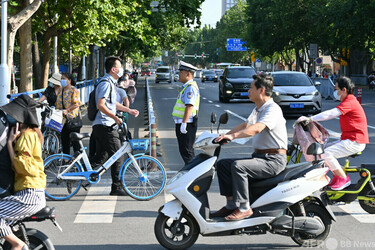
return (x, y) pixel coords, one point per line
(118, 192)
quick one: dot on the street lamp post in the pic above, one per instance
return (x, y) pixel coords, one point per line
(4, 74)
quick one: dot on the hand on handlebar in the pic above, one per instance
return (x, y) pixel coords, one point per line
(118, 120)
(224, 138)
(304, 120)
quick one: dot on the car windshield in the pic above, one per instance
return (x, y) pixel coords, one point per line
(291, 80)
(162, 70)
(241, 73)
(209, 72)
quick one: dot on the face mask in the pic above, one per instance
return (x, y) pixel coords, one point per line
(336, 95)
(120, 72)
(63, 83)
(51, 84)
(11, 120)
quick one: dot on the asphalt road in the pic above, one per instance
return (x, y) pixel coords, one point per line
(94, 220)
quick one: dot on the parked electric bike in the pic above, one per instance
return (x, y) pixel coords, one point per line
(35, 239)
(290, 204)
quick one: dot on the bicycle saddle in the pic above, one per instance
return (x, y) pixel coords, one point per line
(74, 136)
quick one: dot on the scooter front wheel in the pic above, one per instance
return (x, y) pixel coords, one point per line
(176, 234)
(368, 205)
(308, 240)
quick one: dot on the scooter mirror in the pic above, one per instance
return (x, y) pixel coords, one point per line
(213, 117)
(224, 118)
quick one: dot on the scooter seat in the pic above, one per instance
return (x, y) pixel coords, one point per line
(291, 172)
(41, 214)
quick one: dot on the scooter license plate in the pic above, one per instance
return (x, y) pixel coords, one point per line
(297, 105)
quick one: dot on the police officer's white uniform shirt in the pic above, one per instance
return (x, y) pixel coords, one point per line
(275, 134)
(189, 96)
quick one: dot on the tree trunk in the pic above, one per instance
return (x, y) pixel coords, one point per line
(37, 65)
(46, 56)
(14, 23)
(26, 63)
(101, 61)
(92, 63)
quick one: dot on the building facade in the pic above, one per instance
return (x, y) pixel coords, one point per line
(226, 5)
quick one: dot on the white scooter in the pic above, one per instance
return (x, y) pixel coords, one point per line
(291, 203)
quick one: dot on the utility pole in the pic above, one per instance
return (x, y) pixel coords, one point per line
(4, 88)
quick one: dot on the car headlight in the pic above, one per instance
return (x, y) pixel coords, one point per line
(177, 176)
(316, 92)
(276, 93)
(228, 85)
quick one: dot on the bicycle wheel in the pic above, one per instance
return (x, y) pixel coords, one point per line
(57, 189)
(51, 144)
(146, 186)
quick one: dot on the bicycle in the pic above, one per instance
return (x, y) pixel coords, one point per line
(51, 134)
(143, 177)
(363, 190)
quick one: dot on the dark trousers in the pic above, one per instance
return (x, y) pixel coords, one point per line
(65, 139)
(186, 141)
(107, 140)
(235, 174)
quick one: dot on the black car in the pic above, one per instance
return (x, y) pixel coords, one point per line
(209, 75)
(235, 83)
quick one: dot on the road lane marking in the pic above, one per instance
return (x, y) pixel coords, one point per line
(234, 114)
(98, 206)
(217, 105)
(355, 210)
(210, 101)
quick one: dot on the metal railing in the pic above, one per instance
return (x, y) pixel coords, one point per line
(151, 120)
(84, 87)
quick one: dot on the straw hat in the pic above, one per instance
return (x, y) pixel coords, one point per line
(55, 79)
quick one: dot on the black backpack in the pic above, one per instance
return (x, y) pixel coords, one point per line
(92, 109)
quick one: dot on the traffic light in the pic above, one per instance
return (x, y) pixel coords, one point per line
(195, 56)
(183, 55)
(176, 54)
(202, 55)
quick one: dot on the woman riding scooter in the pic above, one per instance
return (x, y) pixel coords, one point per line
(353, 125)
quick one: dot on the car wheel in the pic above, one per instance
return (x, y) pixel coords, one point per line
(170, 81)
(156, 81)
(202, 80)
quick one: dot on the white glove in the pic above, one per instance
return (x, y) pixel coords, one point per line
(304, 119)
(183, 128)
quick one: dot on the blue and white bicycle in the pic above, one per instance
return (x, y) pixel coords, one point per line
(142, 176)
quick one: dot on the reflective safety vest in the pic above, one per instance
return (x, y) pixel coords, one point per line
(179, 107)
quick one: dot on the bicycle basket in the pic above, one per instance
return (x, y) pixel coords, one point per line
(139, 144)
(54, 121)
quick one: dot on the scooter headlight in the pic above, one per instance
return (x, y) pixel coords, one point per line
(176, 177)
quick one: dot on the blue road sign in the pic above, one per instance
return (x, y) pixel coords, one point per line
(235, 44)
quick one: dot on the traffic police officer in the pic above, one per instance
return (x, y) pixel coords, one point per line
(185, 111)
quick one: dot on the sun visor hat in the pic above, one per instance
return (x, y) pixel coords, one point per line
(23, 110)
(55, 79)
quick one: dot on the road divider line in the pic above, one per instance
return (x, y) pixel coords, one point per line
(98, 206)
(234, 114)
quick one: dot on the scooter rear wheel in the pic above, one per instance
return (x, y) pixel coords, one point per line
(308, 240)
(368, 206)
(174, 234)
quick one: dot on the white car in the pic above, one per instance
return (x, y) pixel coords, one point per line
(176, 75)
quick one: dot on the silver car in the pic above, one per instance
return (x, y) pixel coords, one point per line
(295, 93)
